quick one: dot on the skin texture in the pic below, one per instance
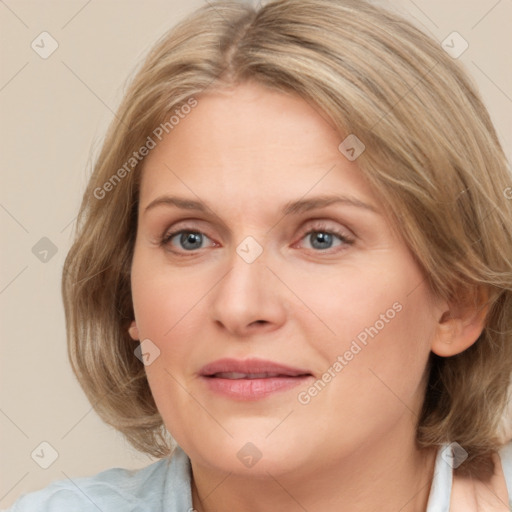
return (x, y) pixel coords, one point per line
(245, 152)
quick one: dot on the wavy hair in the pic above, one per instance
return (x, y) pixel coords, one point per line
(432, 156)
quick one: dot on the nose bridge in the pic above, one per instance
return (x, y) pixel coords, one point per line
(247, 278)
(248, 292)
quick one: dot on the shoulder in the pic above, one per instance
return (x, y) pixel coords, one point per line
(505, 454)
(114, 489)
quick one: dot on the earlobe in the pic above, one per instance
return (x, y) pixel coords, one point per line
(459, 327)
(133, 331)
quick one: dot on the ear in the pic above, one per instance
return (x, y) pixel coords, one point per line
(133, 331)
(460, 324)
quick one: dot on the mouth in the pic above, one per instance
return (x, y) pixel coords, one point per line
(237, 376)
(251, 379)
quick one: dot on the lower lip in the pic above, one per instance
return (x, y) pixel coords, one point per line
(253, 389)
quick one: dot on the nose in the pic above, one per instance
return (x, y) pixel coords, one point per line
(249, 298)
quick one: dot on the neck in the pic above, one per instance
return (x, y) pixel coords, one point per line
(387, 476)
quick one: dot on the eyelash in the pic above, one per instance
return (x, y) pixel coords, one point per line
(317, 228)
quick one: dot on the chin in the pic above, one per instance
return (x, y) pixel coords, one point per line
(250, 452)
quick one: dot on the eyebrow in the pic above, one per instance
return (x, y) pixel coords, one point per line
(290, 208)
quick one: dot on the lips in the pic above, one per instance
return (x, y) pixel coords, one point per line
(255, 368)
(235, 375)
(251, 379)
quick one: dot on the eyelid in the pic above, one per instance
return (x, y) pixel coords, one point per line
(319, 223)
(328, 225)
(195, 225)
(188, 226)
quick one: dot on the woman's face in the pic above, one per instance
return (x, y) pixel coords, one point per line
(283, 328)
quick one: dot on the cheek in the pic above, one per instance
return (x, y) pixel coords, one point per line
(380, 323)
(163, 298)
(347, 303)
(170, 311)
(167, 306)
(383, 361)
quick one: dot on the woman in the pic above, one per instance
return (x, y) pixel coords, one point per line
(292, 277)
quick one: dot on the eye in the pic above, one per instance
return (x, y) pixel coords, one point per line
(186, 239)
(322, 238)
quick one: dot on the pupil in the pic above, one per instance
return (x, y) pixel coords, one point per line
(322, 238)
(190, 238)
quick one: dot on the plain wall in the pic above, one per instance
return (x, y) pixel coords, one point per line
(54, 113)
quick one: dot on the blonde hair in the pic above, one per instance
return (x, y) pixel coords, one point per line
(432, 156)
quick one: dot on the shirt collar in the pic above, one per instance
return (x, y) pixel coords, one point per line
(441, 489)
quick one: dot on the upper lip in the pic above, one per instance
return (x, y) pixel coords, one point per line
(251, 367)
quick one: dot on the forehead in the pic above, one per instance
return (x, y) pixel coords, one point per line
(248, 143)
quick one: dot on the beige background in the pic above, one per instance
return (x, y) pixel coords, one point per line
(54, 112)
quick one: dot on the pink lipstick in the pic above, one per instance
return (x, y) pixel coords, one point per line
(251, 379)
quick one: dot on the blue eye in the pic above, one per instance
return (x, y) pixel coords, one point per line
(321, 239)
(188, 240)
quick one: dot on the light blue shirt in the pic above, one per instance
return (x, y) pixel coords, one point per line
(164, 486)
